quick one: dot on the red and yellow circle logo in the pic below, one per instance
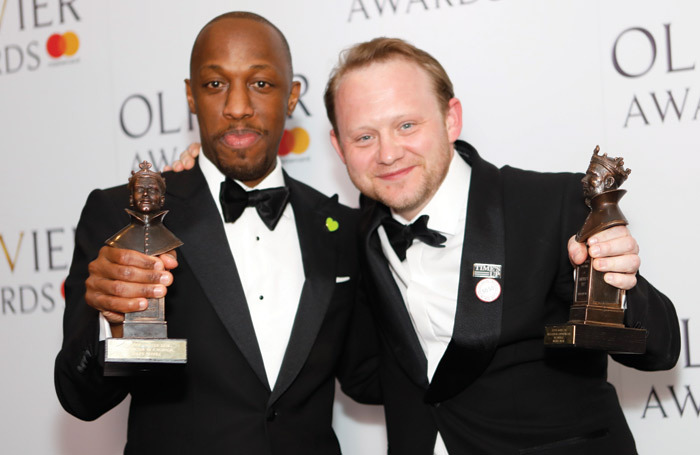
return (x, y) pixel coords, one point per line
(295, 141)
(60, 45)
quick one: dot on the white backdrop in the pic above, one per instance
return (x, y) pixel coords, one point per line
(542, 82)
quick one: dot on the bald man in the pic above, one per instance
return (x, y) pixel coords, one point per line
(266, 303)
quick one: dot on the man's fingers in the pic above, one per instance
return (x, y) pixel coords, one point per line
(130, 257)
(113, 318)
(621, 280)
(126, 289)
(577, 251)
(628, 263)
(169, 260)
(193, 149)
(609, 234)
(117, 305)
(188, 156)
(614, 247)
(130, 274)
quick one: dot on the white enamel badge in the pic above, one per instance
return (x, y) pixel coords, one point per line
(488, 290)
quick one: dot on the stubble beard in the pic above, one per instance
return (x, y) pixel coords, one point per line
(243, 173)
(405, 201)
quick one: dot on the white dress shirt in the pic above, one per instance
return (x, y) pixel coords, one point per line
(429, 277)
(269, 266)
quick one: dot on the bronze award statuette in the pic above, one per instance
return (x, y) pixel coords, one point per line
(145, 345)
(596, 317)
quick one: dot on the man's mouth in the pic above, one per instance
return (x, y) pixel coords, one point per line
(240, 139)
(396, 174)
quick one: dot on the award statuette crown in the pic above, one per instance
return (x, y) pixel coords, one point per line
(596, 316)
(145, 345)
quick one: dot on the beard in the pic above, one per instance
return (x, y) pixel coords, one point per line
(409, 199)
(242, 168)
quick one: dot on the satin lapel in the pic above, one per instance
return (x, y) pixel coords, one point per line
(395, 320)
(477, 324)
(318, 254)
(195, 218)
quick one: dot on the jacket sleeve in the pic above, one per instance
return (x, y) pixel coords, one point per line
(78, 374)
(649, 309)
(358, 370)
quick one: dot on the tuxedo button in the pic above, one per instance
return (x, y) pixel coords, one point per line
(436, 405)
(271, 414)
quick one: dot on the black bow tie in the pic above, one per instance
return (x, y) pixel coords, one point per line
(269, 203)
(401, 235)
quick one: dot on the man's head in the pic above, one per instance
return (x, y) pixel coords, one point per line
(146, 189)
(395, 120)
(241, 90)
(604, 174)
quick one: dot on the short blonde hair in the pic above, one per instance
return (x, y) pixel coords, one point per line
(383, 50)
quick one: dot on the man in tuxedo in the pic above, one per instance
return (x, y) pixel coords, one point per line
(467, 264)
(264, 294)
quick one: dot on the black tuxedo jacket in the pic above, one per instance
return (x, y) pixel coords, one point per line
(220, 402)
(497, 389)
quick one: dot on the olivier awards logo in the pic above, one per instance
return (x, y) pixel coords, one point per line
(677, 401)
(28, 35)
(295, 141)
(374, 9)
(157, 121)
(655, 53)
(33, 265)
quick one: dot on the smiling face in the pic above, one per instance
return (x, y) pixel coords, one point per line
(393, 136)
(241, 90)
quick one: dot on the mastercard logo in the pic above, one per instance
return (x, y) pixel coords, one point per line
(60, 45)
(295, 141)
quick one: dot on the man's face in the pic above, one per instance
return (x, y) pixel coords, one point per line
(146, 195)
(596, 181)
(241, 91)
(393, 135)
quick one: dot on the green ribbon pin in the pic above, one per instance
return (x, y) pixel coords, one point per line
(331, 224)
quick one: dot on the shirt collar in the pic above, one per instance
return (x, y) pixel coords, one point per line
(448, 207)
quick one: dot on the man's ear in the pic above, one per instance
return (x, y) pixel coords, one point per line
(336, 146)
(293, 97)
(453, 119)
(609, 182)
(190, 98)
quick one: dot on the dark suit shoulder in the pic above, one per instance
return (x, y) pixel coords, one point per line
(550, 195)
(316, 199)
(541, 180)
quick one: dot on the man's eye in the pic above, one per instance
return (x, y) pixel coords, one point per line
(364, 138)
(406, 126)
(262, 84)
(213, 84)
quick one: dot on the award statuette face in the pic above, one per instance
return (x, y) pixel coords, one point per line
(145, 345)
(596, 316)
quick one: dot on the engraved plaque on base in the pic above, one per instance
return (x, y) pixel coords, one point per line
(597, 314)
(145, 346)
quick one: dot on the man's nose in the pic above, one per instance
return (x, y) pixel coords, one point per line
(238, 103)
(390, 150)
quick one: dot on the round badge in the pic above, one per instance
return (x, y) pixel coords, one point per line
(488, 290)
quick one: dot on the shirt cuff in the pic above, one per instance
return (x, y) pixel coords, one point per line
(105, 329)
